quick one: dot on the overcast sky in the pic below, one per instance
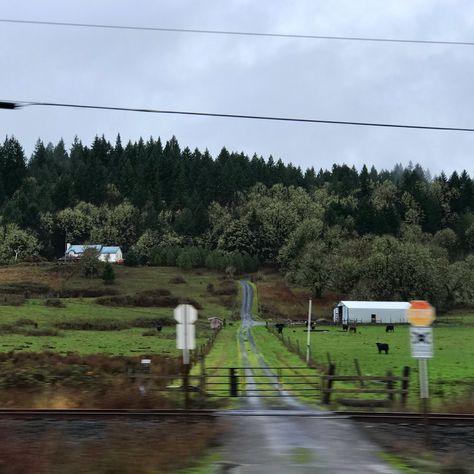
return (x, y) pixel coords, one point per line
(335, 80)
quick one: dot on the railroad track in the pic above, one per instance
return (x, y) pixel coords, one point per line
(372, 417)
(401, 417)
(92, 413)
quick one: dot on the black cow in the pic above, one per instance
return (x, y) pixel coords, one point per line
(389, 328)
(159, 327)
(280, 327)
(382, 346)
(345, 327)
(353, 328)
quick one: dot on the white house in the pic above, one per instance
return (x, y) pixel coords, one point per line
(110, 254)
(347, 312)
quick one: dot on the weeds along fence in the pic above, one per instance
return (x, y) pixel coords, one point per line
(294, 346)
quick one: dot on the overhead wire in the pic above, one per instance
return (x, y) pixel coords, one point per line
(237, 33)
(8, 104)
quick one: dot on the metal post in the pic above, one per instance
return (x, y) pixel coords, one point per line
(308, 341)
(186, 386)
(424, 396)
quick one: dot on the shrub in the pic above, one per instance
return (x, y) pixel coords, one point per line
(151, 332)
(11, 300)
(132, 258)
(101, 325)
(41, 332)
(54, 303)
(108, 274)
(26, 288)
(89, 264)
(25, 322)
(151, 322)
(177, 280)
(86, 292)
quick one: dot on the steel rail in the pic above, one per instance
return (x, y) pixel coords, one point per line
(359, 416)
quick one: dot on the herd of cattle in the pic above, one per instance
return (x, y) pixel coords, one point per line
(352, 328)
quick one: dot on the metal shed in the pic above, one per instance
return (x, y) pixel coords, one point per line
(347, 312)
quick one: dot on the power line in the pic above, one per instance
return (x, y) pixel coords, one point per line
(237, 33)
(19, 104)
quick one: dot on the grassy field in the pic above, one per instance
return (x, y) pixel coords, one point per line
(47, 328)
(450, 371)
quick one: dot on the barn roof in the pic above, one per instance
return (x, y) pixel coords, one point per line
(375, 304)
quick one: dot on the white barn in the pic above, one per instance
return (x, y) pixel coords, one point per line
(347, 312)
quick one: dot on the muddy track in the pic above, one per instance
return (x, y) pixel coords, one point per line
(280, 398)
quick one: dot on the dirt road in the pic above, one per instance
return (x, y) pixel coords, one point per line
(285, 436)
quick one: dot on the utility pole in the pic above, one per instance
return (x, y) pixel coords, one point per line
(308, 340)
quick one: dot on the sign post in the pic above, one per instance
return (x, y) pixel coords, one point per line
(308, 340)
(421, 315)
(185, 315)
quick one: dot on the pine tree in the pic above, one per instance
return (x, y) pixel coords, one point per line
(108, 274)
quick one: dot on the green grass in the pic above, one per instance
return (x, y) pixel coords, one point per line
(224, 353)
(124, 342)
(450, 370)
(128, 342)
(277, 355)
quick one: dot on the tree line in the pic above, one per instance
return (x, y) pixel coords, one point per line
(391, 234)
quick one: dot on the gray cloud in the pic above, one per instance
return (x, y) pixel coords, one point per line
(408, 83)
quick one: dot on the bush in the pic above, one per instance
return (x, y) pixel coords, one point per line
(41, 332)
(177, 280)
(54, 303)
(11, 300)
(26, 288)
(108, 274)
(132, 258)
(151, 322)
(102, 325)
(86, 292)
(89, 263)
(25, 322)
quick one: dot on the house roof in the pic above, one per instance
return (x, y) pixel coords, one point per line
(78, 249)
(109, 250)
(375, 304)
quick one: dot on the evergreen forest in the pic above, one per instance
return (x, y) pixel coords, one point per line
(381, 234)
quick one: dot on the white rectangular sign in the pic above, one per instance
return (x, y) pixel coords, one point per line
(185, 336)
(421, 342)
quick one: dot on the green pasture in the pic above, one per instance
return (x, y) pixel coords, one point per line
(450, 370)
(128, 341)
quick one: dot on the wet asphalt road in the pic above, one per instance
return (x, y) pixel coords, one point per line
(289, 444)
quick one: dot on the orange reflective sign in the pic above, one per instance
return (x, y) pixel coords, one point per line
(420, 313)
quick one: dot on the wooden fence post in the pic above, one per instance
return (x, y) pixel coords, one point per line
(390, 386)
(202, 380)
(359, 373)
(327, 389)
(404, 385)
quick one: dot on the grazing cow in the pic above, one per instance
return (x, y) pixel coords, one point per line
(280, 327)
(353, 328)
(389, 328)
(345, 327)
(159, 327)
(381, 346)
